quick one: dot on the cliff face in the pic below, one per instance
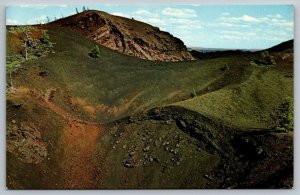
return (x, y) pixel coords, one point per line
(127, 36)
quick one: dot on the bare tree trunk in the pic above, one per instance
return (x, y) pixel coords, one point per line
(25, 43)
(26, 54)
(11, 81)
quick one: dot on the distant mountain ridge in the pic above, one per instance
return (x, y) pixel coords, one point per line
(206, 50)
(127, 36)
(205, 53)
(284, 46)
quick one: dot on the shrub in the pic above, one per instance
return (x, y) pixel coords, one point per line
(284, 115)
(45, 38)
(95, 52)
(266, 59)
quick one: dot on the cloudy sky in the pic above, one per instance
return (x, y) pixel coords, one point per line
(230, 26)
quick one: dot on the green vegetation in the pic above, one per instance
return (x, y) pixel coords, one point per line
(266, 59)
(45, 39)
(193, 94)
(171, 147)
(135, 82)
(45, 47)
(284, 115)
(95, 52)
(30, 47)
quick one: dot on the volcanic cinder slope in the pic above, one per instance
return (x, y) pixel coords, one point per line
(76, 122)
(127, 36)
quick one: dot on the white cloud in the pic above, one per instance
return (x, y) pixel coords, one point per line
(238, 33)
(247, 18)
(11, 22)
(182, 28)
(143, 12)
(41, 6)
(226, 25)
(120, 14)
(244, 18)
(230, 37)
(282, 23)
(268, 20)
(153, 21)
(34, 6)
(172, 23)
(179, 13)
(270, 32)
(42, 19)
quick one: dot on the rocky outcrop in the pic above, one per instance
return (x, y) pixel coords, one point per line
(127, 36)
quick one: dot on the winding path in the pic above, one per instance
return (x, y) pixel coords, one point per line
(79, 142)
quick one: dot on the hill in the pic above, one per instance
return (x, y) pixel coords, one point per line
(284, 46)
(119, 121)
(127, 36)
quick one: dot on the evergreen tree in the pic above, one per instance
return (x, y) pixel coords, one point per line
(45, 38)
(95, 52)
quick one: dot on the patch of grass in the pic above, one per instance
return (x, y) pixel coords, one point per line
(248, 104)
(111, 84)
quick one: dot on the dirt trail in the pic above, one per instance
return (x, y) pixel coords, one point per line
(79, 142)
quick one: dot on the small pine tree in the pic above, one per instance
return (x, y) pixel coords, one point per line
(45, 38)
(95, 52)
(77, 11)
(83, 8)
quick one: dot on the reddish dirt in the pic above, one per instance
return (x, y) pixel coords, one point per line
(78, 143)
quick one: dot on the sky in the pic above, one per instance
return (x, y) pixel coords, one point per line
(206, 26)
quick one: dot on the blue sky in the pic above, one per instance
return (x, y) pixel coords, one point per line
(210, 26)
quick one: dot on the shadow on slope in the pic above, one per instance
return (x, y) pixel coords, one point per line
(172, 147)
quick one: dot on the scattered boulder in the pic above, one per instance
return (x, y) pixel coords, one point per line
(130, 162)
(146, 149)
